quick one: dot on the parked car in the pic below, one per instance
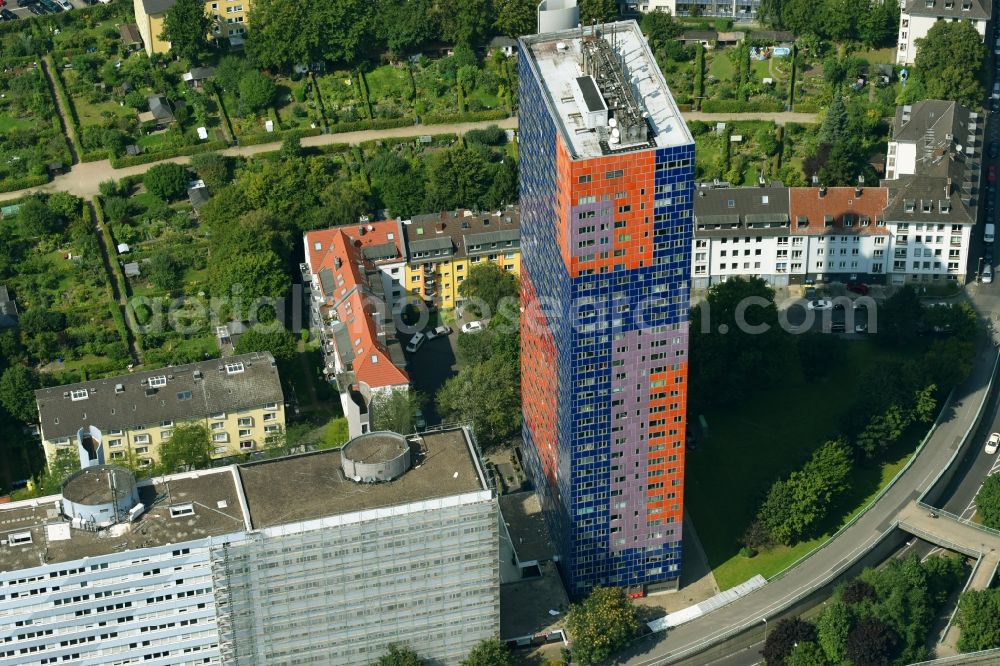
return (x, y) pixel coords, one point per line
(993, 443)
(7, 15)
(416, 342)
(419, 420)
(472, 327)
(859, 288)
(819, 304)
(65, 4)
(987, 276)
(438, 332)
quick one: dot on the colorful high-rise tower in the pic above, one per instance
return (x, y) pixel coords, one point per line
(607, 167)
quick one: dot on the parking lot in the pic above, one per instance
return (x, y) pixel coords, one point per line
(23, 9)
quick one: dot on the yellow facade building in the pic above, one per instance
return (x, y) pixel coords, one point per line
(229, 17)
(238, 398)
(441, 248)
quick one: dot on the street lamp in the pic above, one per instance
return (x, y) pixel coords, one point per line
(765, 628)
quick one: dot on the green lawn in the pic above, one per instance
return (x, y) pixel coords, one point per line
(760, 69)
(765, 437)
(721, 67)
(9, 123)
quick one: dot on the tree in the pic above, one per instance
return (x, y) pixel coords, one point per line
(489, 652)
(834, 127)
(515, 17)
(395, 410)
(832, 628)
(782, 638)
(57, 470)
(164, 271)
(659, 28)
(485, 286)
(979, 619)
(601, 11)
(879, 24)
(807, 654)
(168, 181)
(213, 168)
(474, 349)
(185, 27)
(987, 501)
(405, 25)
(35, 218)
(317, 30)
(228, 73)
(251, 276)
(256, 91)
(465, 22)
(486, 395)
(872, 642)
(281, 343)
(948, 62)
(884, 430)
(399, 656)
(601, 625)
(39, 320)
(456, 177)
(898, 316)
(17, 393)
(189, 448)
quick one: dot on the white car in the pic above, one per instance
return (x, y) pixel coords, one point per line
(415, 342)
(819, 304)
(472, 327)
(993, 443)
(438, 332)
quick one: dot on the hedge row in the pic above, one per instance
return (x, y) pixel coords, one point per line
(67, 103)
(378, 123)
(275, 137)
(11, 184)
(699, 73)
(806, 107)
(146, 158)
(131, 331)
(95, 155)
(467, 117)
(736, 106)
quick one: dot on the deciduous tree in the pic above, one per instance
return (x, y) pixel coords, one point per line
(601, 11)
(17, 392)
(601, 625)
(189, 447)
(395, 410)
(186, 27)
(515, 17)
(872, 642)
(949, 60)
(256, 91)
(988, 501)
(485, 286)
(399, 656)
(490, 652)
(782, 638)
(279, 341)
(167, 180)
(979, 619)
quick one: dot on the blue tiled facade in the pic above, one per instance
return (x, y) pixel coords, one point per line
(594, 312)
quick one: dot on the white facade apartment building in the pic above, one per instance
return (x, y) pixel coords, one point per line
(789, 235)
(736, 9)
(933, 171)
(288, 561)
(917, 17)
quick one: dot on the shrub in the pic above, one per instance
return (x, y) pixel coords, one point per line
(167, 181)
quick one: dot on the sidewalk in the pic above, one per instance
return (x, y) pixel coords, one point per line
(84, 178)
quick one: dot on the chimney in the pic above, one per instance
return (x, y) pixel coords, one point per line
(822, 191)
(857, 188)
(815, 180)
(947, 188)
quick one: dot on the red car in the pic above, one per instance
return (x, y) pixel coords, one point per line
(858, 288)
(991, 174)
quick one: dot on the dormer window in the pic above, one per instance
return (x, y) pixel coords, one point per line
(930, 4)
(945, 206)
(966, 6)
(879, 222)
(848, 220)
(79, 394)
(828, 221)
(802, 220)
(909, 205)
(928, 206)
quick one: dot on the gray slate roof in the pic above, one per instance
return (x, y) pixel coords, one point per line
(978, 9)
(137, 404)
(160, 108)
(198, 196)
(456, 231)
(943, 131)
(380, 252)
(157, 6)
(739, 211)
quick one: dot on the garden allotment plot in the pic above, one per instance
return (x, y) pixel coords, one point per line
(30, 135)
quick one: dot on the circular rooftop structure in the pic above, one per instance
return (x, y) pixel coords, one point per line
(375, 456)
(99, 494)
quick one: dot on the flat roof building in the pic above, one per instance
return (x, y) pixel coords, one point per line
(285, 561)
(607, 176)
